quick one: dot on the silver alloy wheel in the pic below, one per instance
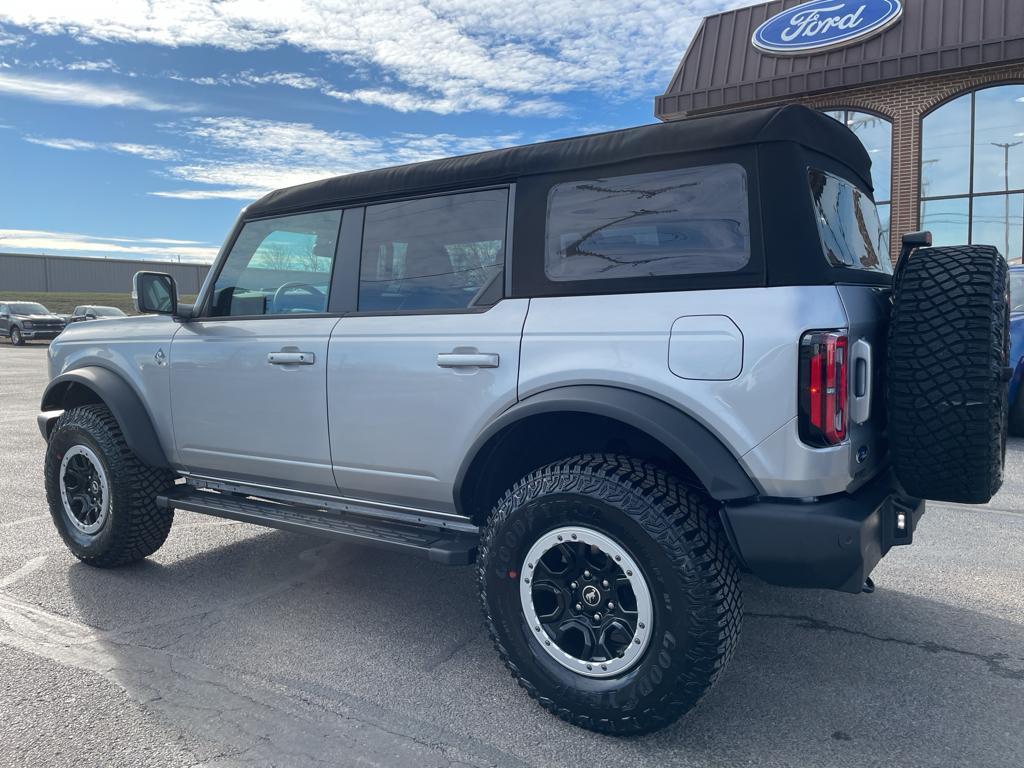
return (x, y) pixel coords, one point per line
(84, 489)
(586, 602)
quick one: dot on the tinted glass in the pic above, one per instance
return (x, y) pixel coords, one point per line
(677, 222)
(432, 253)
(946, 150)
(27, 308)
(279, 266)
(1017, 291)
(851, 234)
(107, 312)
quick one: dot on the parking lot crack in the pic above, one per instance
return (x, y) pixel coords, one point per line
(997, 663)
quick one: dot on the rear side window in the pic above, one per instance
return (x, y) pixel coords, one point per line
(851, 234)
(673, 222)
(434, 253)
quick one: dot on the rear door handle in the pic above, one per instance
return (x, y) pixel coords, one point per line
(291, 358)
(467, 360)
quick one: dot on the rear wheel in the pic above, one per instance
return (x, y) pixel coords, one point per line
(947, 372)
(16, 338)
(610, 592)
(101, 497)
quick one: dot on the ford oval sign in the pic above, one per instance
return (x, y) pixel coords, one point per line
(822, 24)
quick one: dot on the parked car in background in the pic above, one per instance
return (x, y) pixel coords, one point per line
(1017, 349)
(94, 312)
(22, 321)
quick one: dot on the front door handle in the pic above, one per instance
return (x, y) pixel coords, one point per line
(291, 358)
(458, 359)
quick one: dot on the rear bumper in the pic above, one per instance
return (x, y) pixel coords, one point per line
(832, 543)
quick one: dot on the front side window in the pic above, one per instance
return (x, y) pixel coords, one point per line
(435, 253)
(674, 222)
(847, 219)
(279, 266)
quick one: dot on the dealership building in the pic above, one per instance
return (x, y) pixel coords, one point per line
(933, 88)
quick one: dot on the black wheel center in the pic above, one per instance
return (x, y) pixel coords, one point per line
(584, 601)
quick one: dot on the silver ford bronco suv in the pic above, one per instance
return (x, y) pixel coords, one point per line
(613, 371)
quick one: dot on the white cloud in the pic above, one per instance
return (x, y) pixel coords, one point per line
(78, 92)
(92, 66)
(147, 151)
(244, 158)
(43, 241)
(445, 55)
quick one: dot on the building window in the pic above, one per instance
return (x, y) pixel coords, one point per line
(875, 133)
(972, 170)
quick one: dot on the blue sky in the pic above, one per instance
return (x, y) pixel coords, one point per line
(138, 129)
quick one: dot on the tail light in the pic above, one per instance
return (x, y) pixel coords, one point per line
(823, 385)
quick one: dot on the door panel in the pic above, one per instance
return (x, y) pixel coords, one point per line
(240, 414)
(401, 418)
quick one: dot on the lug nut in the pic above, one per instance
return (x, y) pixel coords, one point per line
(597, 617)
(611, 606)
(586, 574)
(604, 583)
(574, 585)
(579, 607)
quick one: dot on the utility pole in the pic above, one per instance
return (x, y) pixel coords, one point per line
(1006, 188)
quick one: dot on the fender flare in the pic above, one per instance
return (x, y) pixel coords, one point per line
(117, 394)
(695, 445)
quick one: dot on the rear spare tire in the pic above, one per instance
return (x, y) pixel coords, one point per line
(946, 381)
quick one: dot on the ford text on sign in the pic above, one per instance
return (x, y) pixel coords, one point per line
(824, 24)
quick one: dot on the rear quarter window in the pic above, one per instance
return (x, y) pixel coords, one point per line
(672, 222)
(851, 234)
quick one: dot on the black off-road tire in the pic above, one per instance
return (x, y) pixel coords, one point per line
(947, 363)
(17, 339)
(673, 532)
(135, 526)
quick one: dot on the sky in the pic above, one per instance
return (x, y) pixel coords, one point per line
(131, 128)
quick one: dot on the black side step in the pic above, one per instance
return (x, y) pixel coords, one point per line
(449, 547)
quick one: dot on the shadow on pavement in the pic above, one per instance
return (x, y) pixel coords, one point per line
(397, 643)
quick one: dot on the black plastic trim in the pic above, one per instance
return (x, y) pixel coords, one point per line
(713, 464)
(118, 395)
(833, 543)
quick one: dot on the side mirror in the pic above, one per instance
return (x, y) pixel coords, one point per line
(912, 240)
(155, 293)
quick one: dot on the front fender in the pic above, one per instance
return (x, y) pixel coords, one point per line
(69, 389)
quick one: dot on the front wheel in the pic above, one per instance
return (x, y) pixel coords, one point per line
(610, 592)
(102, 497)
(16, 338)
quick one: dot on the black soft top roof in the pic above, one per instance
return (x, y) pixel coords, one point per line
(792, 123)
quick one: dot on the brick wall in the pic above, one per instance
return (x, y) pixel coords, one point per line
(905, 102)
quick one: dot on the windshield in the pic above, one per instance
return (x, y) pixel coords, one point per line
(1017, 290)
(107, 312)
(28, 308)
(851, 234)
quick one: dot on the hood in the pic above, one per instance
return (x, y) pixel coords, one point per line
(37, 317)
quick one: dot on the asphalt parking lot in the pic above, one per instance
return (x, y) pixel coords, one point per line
(237, 645)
